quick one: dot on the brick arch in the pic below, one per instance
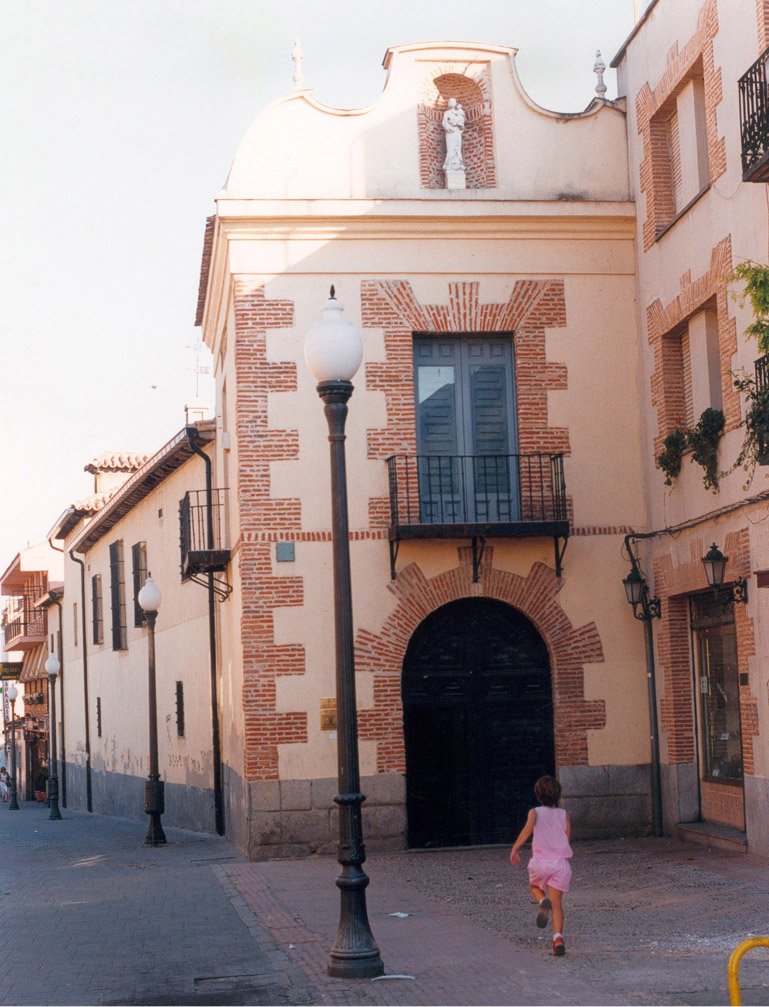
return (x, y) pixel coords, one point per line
(382, 653)
(473, 89)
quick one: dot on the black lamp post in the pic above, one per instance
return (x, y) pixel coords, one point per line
(333, 351)
(646, 609)
(53, 667)
(154, 797)
(12, 692)
(715, 562)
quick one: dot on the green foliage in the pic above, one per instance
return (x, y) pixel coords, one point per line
(672, 454)
(702, 441)
(756, 423)
(756, 290)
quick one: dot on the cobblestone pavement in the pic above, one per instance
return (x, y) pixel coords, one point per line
(92, 916)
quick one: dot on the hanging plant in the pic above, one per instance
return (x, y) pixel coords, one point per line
(756, 290)
(755, 446)
(703, 442)
(672, 454)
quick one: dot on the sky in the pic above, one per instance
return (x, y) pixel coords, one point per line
(119, 121)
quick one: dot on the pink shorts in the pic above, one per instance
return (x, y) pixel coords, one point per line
(556, 873)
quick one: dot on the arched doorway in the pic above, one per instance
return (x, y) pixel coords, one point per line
(478, 723)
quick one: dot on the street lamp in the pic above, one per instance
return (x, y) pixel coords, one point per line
(154, 798)
(53, 667)
(12, 692)
(637, 591)
(333, 351)
(715, 562)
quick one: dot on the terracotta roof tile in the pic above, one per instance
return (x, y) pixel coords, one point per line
(117, 461)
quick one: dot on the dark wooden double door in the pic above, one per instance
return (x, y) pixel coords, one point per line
(478, 722)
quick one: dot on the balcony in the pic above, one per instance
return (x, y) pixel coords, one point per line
(477, 497)
(200, 534)
(754, 121)
(25, 625)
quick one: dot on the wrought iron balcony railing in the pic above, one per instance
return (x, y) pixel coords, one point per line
(754, 121)
(478, 497)
(200, 533)
(26, 625)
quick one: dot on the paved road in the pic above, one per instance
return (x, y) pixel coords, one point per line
(92, 916)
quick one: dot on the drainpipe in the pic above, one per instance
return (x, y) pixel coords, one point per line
(63, 773)
(192, 438)
(88, 790)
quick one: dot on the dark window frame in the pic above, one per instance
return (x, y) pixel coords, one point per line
(139, 573)
(180, 709)
(117, 595)
(97, 608)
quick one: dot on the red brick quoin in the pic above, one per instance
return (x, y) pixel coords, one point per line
(536, 595)
(258, 445)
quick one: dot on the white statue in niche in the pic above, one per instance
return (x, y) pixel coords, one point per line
(453, 125)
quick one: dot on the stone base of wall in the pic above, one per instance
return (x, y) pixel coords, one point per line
(295, 818)
(680, 795)
(757, 815)
(122, 796)
(607, 801)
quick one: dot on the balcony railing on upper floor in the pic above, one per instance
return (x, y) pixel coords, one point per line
(25, 625)
(477, 497)
(754, 121)
(201, 533)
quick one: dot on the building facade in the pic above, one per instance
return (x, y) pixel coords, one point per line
(495, 302)
(699, 216)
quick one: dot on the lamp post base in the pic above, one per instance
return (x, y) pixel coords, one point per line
(355, 954)
(155, 835)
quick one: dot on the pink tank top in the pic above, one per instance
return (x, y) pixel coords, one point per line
(550, 841)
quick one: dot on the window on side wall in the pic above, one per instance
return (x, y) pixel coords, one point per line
(139, 570)
(117, 596)
(679, 151)
(692, 369)
(97, 609)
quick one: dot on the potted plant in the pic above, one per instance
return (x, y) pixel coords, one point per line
(756, 279)
(703, 442)
(755, 446)
(672, 454)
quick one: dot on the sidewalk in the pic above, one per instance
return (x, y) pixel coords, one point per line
(648, 922)
(92, 916)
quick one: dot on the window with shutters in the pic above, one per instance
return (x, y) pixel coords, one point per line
(466, 428)
(692, 368)
(97, 608)
(117, 596)
(139, 571)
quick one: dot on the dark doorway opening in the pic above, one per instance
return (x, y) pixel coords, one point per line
(478, 723)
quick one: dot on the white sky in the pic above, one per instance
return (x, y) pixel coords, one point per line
(118, 123)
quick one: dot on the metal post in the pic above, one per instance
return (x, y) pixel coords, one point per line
(14, 804)
(53, 781)
(355, 954)
(154, 803)
(656, 772)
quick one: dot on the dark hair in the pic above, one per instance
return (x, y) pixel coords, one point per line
(547, 790)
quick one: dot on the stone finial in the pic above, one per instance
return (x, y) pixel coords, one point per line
(297, 57)
(599, 68)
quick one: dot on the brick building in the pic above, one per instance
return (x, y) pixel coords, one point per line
(493, 315)
(695, 137)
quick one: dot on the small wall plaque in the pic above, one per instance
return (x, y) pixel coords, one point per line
(284, 552)
(328, 715)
